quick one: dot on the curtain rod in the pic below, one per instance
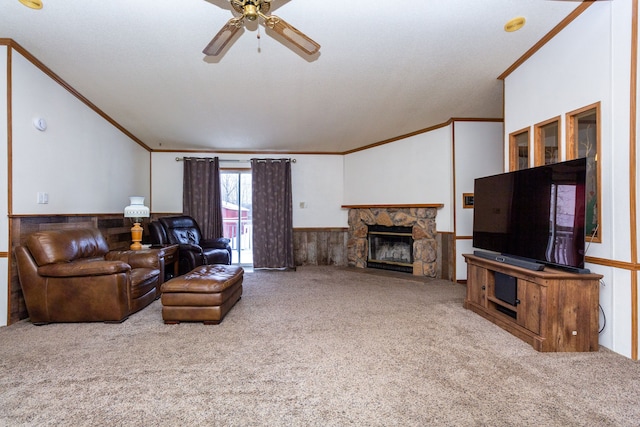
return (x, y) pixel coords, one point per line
(277, 160)
(200, 159)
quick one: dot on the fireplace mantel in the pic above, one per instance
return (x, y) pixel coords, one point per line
(391, 206)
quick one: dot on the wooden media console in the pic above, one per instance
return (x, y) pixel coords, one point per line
(553, 310)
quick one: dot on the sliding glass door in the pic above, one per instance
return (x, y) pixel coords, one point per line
(236, 213)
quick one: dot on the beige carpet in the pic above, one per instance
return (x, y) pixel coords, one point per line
(323, 346)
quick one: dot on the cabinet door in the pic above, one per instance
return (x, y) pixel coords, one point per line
(529, 306)
(477, 283)
(577, 318)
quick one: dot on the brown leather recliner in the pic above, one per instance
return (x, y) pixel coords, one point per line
(71, 276)
(193, 249)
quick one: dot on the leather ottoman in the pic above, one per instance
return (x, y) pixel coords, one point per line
(205, 294)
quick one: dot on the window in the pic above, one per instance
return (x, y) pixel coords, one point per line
(547, 137)
(583, 140)
(519, 150)
(236, 213)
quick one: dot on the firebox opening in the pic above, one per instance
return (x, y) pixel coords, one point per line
(390, 248)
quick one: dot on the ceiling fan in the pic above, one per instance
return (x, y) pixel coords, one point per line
(251, 10)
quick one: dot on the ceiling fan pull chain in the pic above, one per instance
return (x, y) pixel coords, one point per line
(259, 48)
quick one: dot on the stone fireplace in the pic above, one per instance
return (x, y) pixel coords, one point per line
(418, 220)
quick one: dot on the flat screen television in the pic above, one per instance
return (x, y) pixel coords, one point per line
(535, 214)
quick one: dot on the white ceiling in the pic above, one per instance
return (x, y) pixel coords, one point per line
(385, 69)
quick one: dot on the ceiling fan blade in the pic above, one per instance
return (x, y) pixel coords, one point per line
(223, 37)
(292, 34)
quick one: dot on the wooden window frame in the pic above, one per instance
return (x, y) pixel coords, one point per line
(572, 153)
(538, 143)
(513, 149)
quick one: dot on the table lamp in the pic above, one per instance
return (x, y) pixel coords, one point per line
(136, 210)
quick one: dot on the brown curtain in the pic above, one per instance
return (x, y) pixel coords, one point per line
(201, 194)
(272, 214)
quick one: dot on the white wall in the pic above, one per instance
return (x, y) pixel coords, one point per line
(166, 182)
(84, 163)
(420, 169)
(4, 208)
(414, 170)
(317, 181)
(478, 152)
(376, 175)
(586, 63)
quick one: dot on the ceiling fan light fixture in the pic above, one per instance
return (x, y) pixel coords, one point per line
(251, 12)
(33, 4)
(514, 24)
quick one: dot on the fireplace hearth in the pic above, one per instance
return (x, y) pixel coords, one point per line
(390, 248)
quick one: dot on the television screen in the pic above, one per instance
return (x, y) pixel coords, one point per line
(536, 213)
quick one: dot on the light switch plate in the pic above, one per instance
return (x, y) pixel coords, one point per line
(43, 198)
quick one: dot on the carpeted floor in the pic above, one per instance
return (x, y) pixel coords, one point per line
(322, 346)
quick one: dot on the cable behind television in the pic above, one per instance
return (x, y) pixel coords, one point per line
(595, 230)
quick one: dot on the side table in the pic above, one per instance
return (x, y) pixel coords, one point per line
(168, 255)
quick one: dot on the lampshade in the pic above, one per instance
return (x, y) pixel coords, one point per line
(136, 209)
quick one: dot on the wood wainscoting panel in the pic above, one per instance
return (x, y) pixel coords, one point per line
(320, 246)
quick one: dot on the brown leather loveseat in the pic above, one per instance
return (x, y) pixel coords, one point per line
(71, 276)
